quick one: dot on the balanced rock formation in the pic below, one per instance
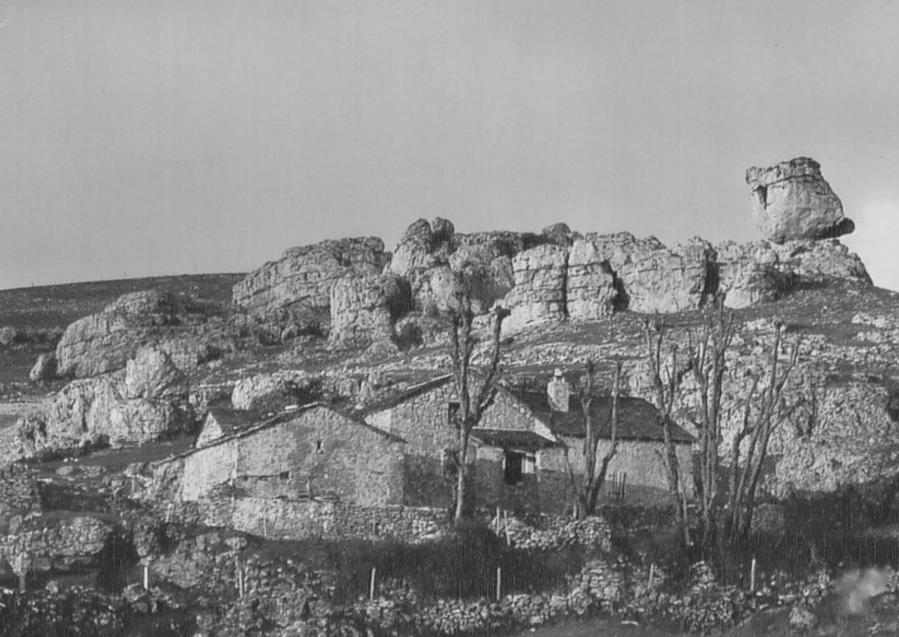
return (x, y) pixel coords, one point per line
(791, 200)
(365, 307)
(103, 342)
(297, 287)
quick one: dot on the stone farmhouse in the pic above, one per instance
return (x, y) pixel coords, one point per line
(520, 447)
(311, 451)
(401, 452)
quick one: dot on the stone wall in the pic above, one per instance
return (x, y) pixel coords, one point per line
(320, 452)
(18, 494)
(276, 518)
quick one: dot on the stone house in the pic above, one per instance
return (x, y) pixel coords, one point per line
(519, 448)
(312, 451)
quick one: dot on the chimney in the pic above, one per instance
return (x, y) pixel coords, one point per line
(557, 392)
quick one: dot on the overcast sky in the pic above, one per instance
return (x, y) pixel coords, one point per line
(163, 137)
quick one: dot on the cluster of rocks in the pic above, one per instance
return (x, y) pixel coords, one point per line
(358, 293)
(145, 402)
(19, 496)
(548, 532)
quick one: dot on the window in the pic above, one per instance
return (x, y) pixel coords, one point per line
(513, 467)
(452, 413)
(284, 475)
(528, 463)
(318, 447)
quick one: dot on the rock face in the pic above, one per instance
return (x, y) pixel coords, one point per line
(539, 292)
(44, 368)
(791, 200)
(103, 342)
(364, 308)
(748, 273)
(591, 291)
(298, 286)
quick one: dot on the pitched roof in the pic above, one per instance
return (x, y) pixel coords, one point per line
(511, 438)
(283, 417)
(637, 418)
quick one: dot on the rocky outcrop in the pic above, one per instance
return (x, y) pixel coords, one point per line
(365, 308)
(145, 403)
(591, 288)
(748, 273)
(103, 342)
(423, 246)
(44, 368)
(815, 262)
(539, 292)
(791, 200)
(297, 287)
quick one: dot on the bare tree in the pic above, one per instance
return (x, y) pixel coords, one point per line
(586, 491)
(722, 516)
(665, 391)
(476, 391)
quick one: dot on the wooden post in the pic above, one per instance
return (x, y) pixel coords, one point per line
(497, 520)
(22, 581)
(652, 569)
(371, 584)
(506, 524)
(146, 577)
(264, 526)
(499, 583)
(752, 569)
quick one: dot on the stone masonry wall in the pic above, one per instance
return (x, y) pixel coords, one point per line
(320, 452)
(18, 493)
(277, 518)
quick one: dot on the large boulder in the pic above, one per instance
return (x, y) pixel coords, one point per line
(103, 342)
(364, 308)
(423, 246)
(791, 200)
(145, 403)
(539, 292)
(151, 374)
(296, 289)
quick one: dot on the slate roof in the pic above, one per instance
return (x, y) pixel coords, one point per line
(637, 418)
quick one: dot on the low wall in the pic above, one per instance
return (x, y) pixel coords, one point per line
(18, 494)
(299, 519)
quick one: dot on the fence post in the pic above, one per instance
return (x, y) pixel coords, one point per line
(371, 584)
(652, 569)
(752, 576)
(146, 577)
(499, 583)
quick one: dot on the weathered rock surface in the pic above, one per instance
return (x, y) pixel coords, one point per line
(44, 368)
(364, 308)
(145, 403)
(591, 293)
(791, 200)
(151, 374)
(539, 292)
(748, 273)
(103, 342)
(817, 261)
(298, 285)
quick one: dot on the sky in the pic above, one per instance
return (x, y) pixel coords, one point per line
(181, 136)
